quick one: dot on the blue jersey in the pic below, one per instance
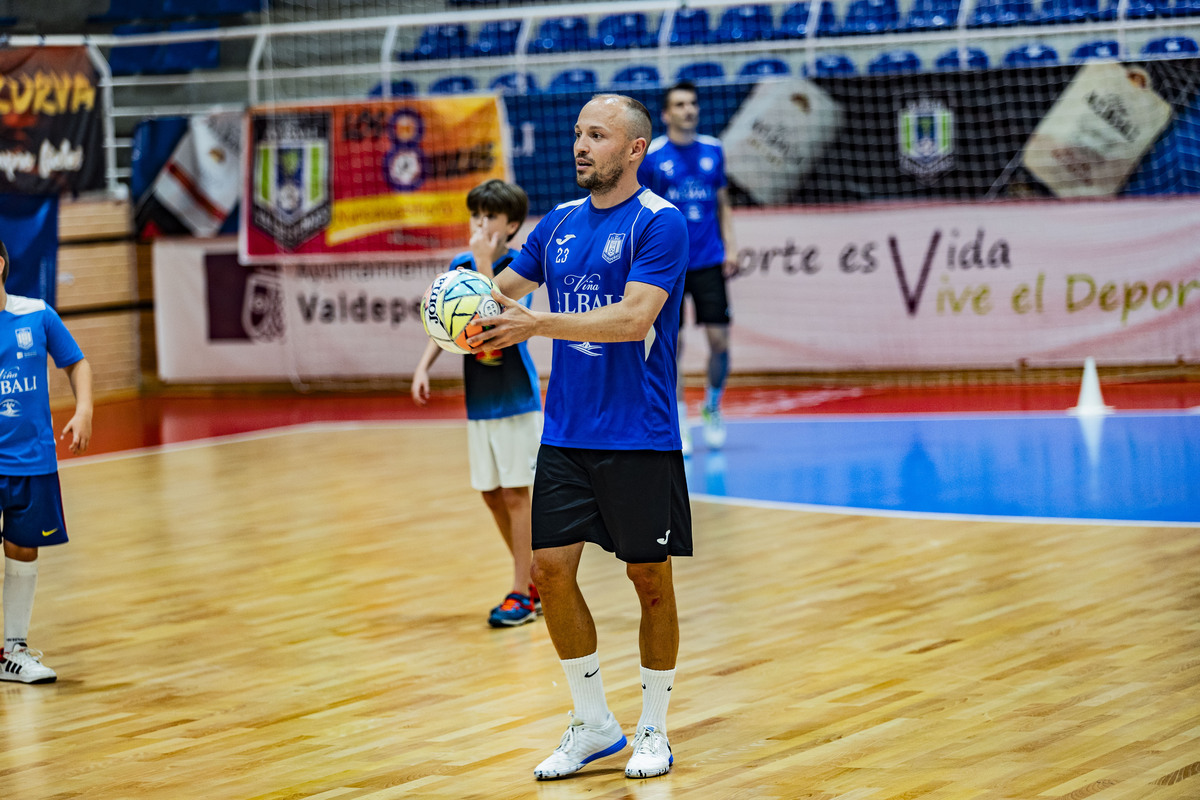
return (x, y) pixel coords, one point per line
(29, 330)
(610, 395)
(689, 176)
(499, 383)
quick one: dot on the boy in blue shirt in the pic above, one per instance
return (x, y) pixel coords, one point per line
(610, 470)
(504, 401)
(30, 498)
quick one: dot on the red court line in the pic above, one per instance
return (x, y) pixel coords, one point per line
(157, 419)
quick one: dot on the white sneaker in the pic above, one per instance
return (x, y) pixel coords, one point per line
(580, 745)
(651, 754)
(714, 428)
(25, 666)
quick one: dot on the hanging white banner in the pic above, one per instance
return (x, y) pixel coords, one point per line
(949, 286)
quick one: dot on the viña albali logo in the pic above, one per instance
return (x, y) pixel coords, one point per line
(291, 176)
(926, 132)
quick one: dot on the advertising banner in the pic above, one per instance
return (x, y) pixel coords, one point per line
(51, 140)
(372, 180)
(1044, 283)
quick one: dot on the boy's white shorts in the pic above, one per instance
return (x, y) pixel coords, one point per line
(503, 452)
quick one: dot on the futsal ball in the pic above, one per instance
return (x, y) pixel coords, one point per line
(452, 303)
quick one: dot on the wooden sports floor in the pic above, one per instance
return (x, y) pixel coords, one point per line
(299, 613)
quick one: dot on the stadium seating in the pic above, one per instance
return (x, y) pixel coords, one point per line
(1171, 47)
(637, 76)
(497, 38)
(689, 27)
(1030, 55)
(894, 62)
(794, 22)
(623, 31)
(969, 58)
(931, 15)
(1185, 8)
(401, 87)
(187, 56)
(1054, 12)
(1139, 9)
(998, 13)
(743, 24)
(831, 65)
(133, 59)
(129, 10)
(871, 16)
(514, 83)
(579, 79)
(453, 84)
(761, 67)
(562, 35)
(439, 41)
(701, 72)
(1105, 50)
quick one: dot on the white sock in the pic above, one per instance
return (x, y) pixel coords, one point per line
(587, 688)
(656, 694)
(20, 582)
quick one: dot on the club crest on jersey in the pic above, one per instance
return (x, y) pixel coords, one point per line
(25, 338)
(10, 408)
(612, 248)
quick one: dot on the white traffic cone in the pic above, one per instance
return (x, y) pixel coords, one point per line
(1090, 401)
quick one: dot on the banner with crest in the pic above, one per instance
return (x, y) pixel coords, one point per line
(372, 180)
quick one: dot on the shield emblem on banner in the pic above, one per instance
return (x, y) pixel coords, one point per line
(291, 179)
(612, 248)
(926, 130)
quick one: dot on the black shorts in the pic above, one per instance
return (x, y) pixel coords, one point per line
(633, 503)
(707, 288)
(31, 506)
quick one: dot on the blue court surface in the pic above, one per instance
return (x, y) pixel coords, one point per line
(1136, 467)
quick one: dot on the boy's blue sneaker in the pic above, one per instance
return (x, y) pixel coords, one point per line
(517, 609)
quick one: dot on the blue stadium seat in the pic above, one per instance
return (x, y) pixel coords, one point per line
(931, 15)
(401, 87)
(701, 72)
(453, 84)
(1184, 8)
(1105, 50)
(689, 27)
(514, 83)
(743, 24)
(623, 31)
(1055, 12)
(969, 58)
(894, 62)
(562, 35)
(233, 7)
(133, 59)
(832, 65)
(574, 80)
(794, 22)
(761, 67)
(997, 13)
(439, 41)
(188, 56)
(871, 16)
(1171, 47)
(497, 37)
(1031, 54)
(637, 76)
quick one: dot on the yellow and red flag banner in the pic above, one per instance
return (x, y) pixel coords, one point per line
(372, 179)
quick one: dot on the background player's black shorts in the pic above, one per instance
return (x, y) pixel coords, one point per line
(707, 288)
(630, 502)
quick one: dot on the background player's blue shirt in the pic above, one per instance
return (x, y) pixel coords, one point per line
(610, 395)
(29, 331)
(689, 176)
(503, 383)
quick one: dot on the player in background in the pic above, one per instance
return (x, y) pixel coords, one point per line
(504, 401)
(30, 496)
(688, 169)
(610, 469)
